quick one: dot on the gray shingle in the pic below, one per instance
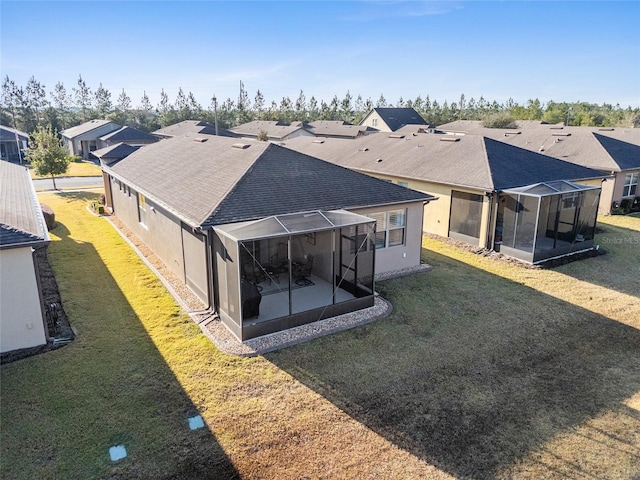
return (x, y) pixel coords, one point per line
(469, 161)
(21, 219)
(212, 182)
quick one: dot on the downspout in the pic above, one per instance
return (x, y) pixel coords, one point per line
(211, 297)
(493, 218)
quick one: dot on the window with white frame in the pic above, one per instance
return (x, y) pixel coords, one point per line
(374, 122)
(630, 185)
(390, 227)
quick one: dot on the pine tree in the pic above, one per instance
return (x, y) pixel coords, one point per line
(82, 96)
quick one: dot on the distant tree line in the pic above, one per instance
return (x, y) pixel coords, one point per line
(26, 107)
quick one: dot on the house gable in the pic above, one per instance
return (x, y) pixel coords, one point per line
(394, 118)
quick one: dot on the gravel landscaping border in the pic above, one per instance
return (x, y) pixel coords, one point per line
(223, 339)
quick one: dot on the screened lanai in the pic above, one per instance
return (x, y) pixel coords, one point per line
(289, 270)
(545, 220)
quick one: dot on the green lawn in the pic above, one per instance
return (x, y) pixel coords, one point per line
(483, 370)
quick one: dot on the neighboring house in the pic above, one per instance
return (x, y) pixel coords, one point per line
(114, 153)
(22, 230)
(129, 135)
(338, 129)
(391, 119)
(267, 237)
(110, 156)
(83, 139)
(192, 127)
(13, 144)
(275, 131)
(491, 194)
(613, 151)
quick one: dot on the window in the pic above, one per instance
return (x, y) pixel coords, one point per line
(374, 122)
(390, 227)
(630, 185)
(466, 216)
(142, 209)
(404, 184)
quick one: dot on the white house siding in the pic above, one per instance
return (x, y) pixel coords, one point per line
(21, 321)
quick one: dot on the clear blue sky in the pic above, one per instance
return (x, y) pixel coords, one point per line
(562, 51)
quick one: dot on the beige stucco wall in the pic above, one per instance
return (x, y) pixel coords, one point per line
(436, 213)
(619, 185)
(400, 256)
(381, 125)
(606, 193)
(21, 322)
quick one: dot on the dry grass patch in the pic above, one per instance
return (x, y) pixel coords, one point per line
(477, 373)
(139, 367)
(489, 370)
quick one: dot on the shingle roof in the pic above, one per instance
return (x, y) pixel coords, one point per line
(626, 155)
(397, 117)
(337, 128)
(8, 134)
(469, 161)
(187, 127)
(586, 146)
(129, 134)
(274, 130)
(115, 152)
(284, 181)
(21, 220)
(213, 182)
(516, 167)
(86, 127)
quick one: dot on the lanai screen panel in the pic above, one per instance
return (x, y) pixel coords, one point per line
(548, 219)
(289, 268)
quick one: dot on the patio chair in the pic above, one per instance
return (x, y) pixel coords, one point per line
(253, 273)
(302, 271)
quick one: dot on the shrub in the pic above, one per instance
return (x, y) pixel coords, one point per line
(102, 199)
(625, 205)
(49, 216)
(499, 120)
(96, 207)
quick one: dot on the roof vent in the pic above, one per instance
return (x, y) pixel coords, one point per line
(241, 146)
(562, 134)
(395, 135)
(606, 129)
(506, 134)
(318, 141)
(200, 139)
(449, 138)
(363, 149)
(379, 160)
(556, 128)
